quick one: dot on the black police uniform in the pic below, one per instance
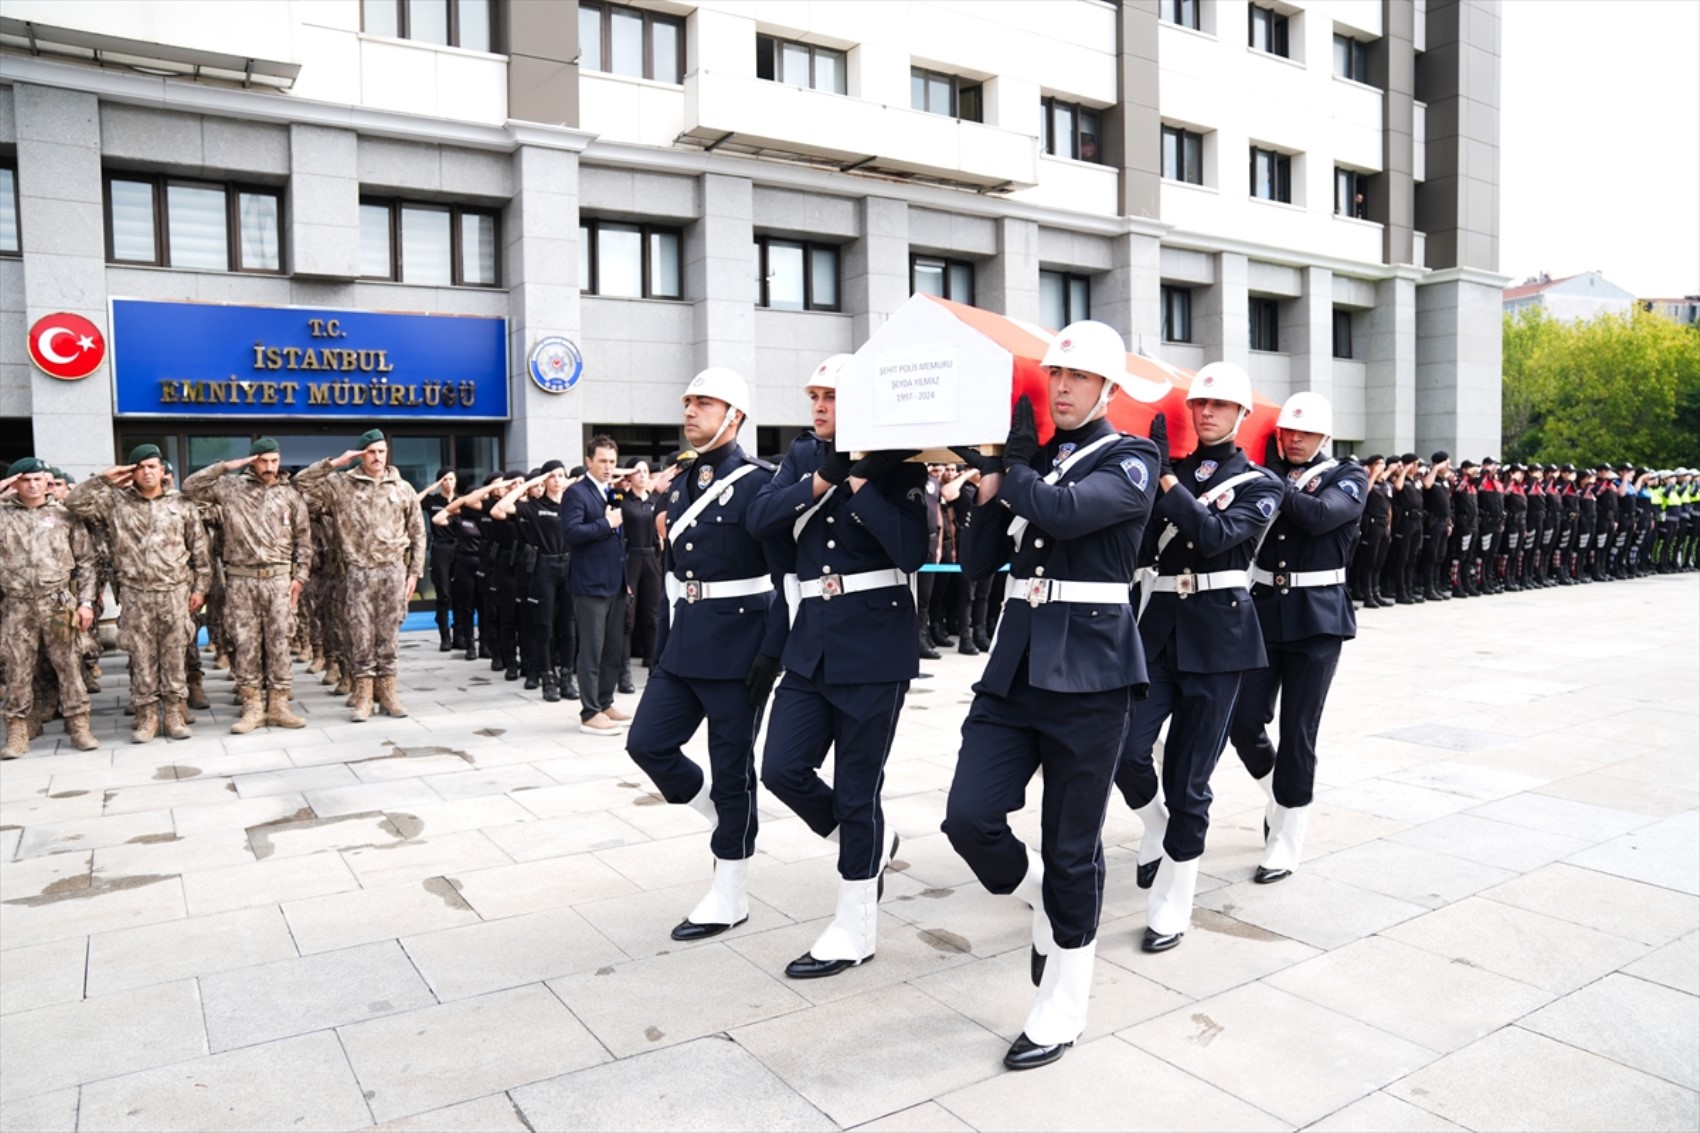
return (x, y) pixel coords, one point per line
(643, 575)
(1463, 542)
(1375, 533)
(1437, 523)
(1305, 613)
(1490, 532)
(1587, 516)
(726, 614)
(1569, 516)
(1511, 546)
(1605, 525)
(1406, 552)
(464, 578)
(440, 557)
(1538, 503)
(1550, 520)
(549, 608)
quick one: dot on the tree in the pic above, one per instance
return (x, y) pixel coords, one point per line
(1612, 388)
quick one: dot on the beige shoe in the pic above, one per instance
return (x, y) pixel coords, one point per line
(77, 730)
(616, 715)
(362, 708)
(278, 714)
(18, 736)
(331, 673)
(600, 725)
(316, 664)
(384, 690)
(253, 712)
(197, 692)
(175, 726)
(146, 725)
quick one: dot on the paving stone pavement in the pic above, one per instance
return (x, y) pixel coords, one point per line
(459, 919)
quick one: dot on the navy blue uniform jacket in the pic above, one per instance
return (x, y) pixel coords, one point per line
(860, 638)
(1086, 527)
(597, 568)
(1214, 631)
(718, 638)
(1315, 531)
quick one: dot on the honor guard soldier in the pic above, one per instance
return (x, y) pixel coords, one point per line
(1200, 635)
(721, 633)
(1605, 520)
(1516, 521)
(1305, 613)
(1569, 518)
(1066, 664)
(1490, 531)
(860, 529)
(1437, 527)
(1465, 516)
(1536, 493)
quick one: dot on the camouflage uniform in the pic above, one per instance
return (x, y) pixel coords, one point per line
(159, 550)
(267, 545)
(380, 539)
(47, 567)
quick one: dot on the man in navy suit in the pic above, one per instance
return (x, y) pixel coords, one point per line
(1200, 635)
(1305, 613)
(717, 646)
(1065, 665)
(860, 531)
(596, 578)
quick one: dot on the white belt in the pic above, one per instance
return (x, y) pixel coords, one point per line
(693, 591)
(1038, 591)
(830, 586)
(1299, 577)
(1187, 582)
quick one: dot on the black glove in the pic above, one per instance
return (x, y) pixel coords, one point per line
(1159, 435)
(1271, 451)
(877, 464)
(763, 673)
(836, 470)
(1023, 443)
(978, 460)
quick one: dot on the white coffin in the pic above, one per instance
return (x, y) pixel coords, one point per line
(925, 380)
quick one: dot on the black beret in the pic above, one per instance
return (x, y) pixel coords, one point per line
(1439, 456)
(552, 465)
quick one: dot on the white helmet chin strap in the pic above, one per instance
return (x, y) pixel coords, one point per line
(718, 433)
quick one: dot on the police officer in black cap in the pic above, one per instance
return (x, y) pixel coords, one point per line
(1437, 527)
(1539, 503)
(1551, 520)
(1569, 515)
(1374, 535)
(1305, 613)
(1465, 517)
(1406, 551)
(1587, 512)
(1605, 520)
(1510, 567)
(1068, 518)
(1490, 527)
(1200, 635)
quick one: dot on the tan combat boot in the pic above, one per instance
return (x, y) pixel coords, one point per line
(317, 663)
(278, 714)
(146, 725)
(77, 730)
(387, 699)
(330, 673)
(175, 726)
(344, 682)
(197, 692)
(17, 737)
(362, 707)
(91, 677)
(221, 660)
(253, 712)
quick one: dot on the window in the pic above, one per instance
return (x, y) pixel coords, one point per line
(1342, 333)
(10, 245)
(1183, 155)
(1351, 58)
(443, 245)
(1068, 129)
(1351, 193)
(625, 41)
(939, 93)
(1182, 12)
(799, 64)
(1271, 175)
(948, 279)
(1268, 30)
(200, 225)
(793, 275)
(453, 23)
(1265, 324)
(1177, 314)
(629, 261)
(1063, 298)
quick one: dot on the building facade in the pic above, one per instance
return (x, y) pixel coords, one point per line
(1586, 295)
(633, 192)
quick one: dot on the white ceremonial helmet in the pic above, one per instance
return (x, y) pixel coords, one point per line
(1222, 381)
(1307, 412)
(1096, 348)
(826, 374)
(723, 384)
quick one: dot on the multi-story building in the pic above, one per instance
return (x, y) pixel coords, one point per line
(649, 188)
(1586, 295)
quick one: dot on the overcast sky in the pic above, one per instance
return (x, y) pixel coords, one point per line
(1600, 142)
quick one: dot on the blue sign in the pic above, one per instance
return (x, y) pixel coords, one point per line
(556, 364)
(225, 360)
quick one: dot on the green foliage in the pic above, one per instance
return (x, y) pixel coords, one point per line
(1613, 388)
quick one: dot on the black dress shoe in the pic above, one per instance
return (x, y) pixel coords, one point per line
(967, 648)
(982, 642)
(530, 684)
(1270, 876)
(569, 690)
(689, 930)
(512, 674)
(471, 654)
(443, 646)
(497, 664)
(1025, 1054)
(941, 637)
(483, 651)
(1035, 965)
(625, 686)
(1148, 873)
(806, 967)
(1158, 942)
(551, 692)
(927, 652)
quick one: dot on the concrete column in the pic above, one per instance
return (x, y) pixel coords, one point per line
(1220, 312)
(1390, 367)
(543, 53)
(1133, 127)
(322, 207)
(60, 203)
(876, 267)
(1009, 284)
(1307, 332)
(717, 276)
(540, 255)
(1129, 295)
(1458, 356)
(1392, 192)
(1458, 77)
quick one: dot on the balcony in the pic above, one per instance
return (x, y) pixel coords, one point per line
(744, 114)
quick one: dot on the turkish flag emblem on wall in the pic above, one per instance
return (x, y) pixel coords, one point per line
(66, 346)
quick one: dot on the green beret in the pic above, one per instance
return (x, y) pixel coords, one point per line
(26, 465)
(58, 472)
(261, 446)
(371, 437)
(145, 452)
(169, 471)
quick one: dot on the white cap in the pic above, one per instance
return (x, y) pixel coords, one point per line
(1307, 412)
(722, 384)
(1096, 348)
(826, 374)
(1222, 381)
